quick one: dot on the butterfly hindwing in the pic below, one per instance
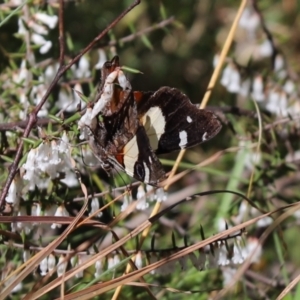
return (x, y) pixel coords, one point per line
(172, 122)
(139, 161)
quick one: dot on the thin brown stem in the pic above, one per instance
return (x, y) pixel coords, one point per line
(61, 33)
(133, 36)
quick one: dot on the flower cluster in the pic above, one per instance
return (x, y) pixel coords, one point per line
(276, 91)
(47, 162)
(37, 26)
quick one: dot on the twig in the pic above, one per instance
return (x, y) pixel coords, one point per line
(132, 36)
(61, 37)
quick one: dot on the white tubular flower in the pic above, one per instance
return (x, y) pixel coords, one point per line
(50, 210)
(110, 263)
(43, 156)
(25, 103)
(258, 89)
(264, 222)
(50, 21)
(81, 259)
(253, 250)
(245, 88)
(279, 63)
(234, 85)
(150, 192)
(98, 268)
(44, 266)
(126, 201)
(139, 260)
(61, 266)
(22, 29)
(63, 146)
(36, 211)
(266, 48)
(86, 119)
(221, 255)
(29, 166)
(249, 21)
(116, 259)
(65, 100)
(76, 97)
(14, 192)
(23, 225)
(38, 39)
(101, 60)
(26, 255)
(273, 102)
(289, 86)
(46, 47)
(23, 74)
(60, 212)
(239, 255)
(161, 195)
(37, 28)
(83, 70)
(225, 79)
(141, 198)
(50, 72)
(231, 79)
(70, 179)
(54, 158)
(283, 104)
(95, 207)
(51, 262)
(216, 59)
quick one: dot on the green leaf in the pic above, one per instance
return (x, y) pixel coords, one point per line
(7, 158)
(131, 70)
(73, 118)
(30, 141)
(146, 42)
(15, 11)
(55, 118)
(162, 11)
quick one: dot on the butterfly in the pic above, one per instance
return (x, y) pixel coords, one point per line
(128, 129)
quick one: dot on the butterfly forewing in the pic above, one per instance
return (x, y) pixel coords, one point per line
(172, 122)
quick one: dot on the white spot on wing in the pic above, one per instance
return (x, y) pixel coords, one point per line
(150, 160)
(154, 123)
(189, 119)
(204, 136)
(183, 139)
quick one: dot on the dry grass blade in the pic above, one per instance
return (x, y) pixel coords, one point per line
(101, 288)
(35, 260)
